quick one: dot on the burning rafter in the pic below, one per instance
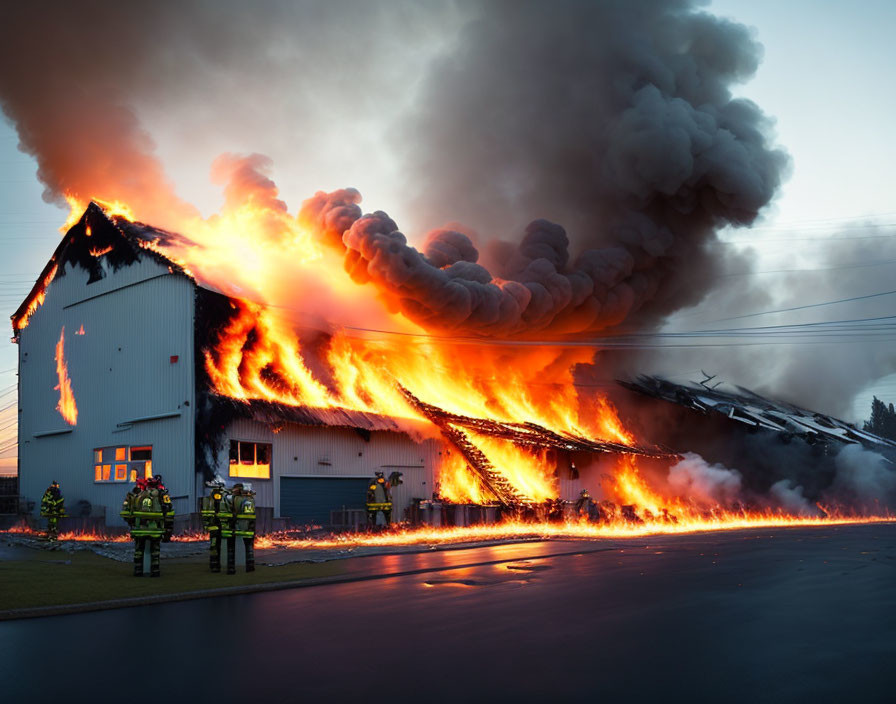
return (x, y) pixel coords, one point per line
(530, 434)
(525, 435)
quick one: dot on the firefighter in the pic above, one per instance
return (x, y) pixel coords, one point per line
(585, 506)
(216, 514)
(147, 510)
(52, 507)
(242, 526)
(379, 498)
(156, 482)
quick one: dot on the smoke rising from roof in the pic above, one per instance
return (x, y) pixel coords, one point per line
(613, 118)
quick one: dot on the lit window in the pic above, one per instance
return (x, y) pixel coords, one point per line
(130, 463)
(251, 460)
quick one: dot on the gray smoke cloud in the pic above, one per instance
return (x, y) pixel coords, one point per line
(89, 85)
(865, 478)
(790, 497)
(823, 373)
(711, 484)
(863, 481)
(615, 119)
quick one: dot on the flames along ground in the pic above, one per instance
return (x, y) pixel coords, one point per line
(284, 344)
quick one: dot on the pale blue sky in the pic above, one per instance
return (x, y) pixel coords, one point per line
(827, 77)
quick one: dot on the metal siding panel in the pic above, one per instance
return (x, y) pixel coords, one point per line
(309, 500)
(120, 370)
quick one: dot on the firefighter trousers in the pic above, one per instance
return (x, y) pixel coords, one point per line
(214, 551)
(155, 554)
(249, 544)
(371, 516)
(52, 528)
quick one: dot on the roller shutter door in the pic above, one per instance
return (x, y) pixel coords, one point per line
(309, 500)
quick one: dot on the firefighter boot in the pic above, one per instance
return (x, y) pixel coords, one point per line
(250, 554)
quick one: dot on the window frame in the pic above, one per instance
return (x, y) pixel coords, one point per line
(246, 472)
(107, 466)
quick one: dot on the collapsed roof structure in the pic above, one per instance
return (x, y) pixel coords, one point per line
(758, 412)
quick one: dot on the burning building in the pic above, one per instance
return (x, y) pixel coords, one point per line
(130, 366)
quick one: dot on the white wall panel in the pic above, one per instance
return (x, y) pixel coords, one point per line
(134, 321)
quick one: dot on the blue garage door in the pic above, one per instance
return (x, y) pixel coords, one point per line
(309, 500)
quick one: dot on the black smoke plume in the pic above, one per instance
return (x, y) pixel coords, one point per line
(613, 118)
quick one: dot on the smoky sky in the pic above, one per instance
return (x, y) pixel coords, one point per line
(82, 83)
(577, 156)
(822, 373)
(611, 129)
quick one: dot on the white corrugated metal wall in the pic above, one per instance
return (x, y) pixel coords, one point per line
(301, 451)
(134, 321)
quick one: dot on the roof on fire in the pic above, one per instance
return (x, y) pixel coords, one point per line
(98, 236)
(120, 242)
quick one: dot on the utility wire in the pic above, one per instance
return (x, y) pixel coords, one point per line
(804, 307)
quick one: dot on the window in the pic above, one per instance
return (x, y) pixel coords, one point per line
(250, 459)
(129, 463)
(141, 453)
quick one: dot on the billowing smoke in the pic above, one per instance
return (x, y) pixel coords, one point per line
(859, 481)
(615, 119)
(612, 118)
(867, 478)
(99, 91)
(790, 497)
(705, 483)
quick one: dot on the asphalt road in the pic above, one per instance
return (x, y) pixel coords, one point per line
(754, 616)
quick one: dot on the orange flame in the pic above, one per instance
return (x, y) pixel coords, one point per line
(304, 333)
(459, 484)
(66, 406)
(21, 321)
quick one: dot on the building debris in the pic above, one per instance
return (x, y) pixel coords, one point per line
(758, 412)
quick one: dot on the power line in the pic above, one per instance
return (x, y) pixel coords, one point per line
(804, 307)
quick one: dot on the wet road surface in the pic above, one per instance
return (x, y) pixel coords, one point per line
(772, 615)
